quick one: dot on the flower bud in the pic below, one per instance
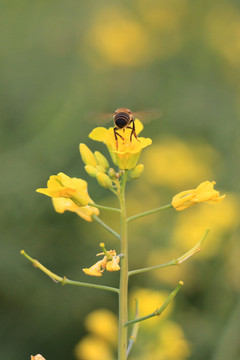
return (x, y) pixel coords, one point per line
(37, 357)
(137, 171)
(87, 155)
(104, 180)
(91, 170)
(112, 173)
(100, 169)
(101, 159)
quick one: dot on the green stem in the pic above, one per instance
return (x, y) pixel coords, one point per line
(64, 280)
(134, 331)
(149, 212)
(196, 248)
(104, 207)
(113, 232)
(123, 289)
(161, 309)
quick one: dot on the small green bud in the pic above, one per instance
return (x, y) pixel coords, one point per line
(87, 155)
(102, 161)
(112, 173)
(104, 180)
(137, 171)
(91, 170)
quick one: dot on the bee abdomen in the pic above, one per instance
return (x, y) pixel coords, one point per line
(122, 119)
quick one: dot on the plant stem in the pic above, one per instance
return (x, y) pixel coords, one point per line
(64, 280)
(104, 207)
(178, 261)
(113, 232)
(149, 212)
(123, 289)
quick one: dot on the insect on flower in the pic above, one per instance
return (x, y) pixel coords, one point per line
(124, 118)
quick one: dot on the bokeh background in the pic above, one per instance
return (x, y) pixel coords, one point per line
(62, 60)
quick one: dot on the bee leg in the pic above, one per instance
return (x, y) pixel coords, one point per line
(116, 134)
(133, 132)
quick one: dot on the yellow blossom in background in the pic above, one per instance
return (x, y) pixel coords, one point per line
(64, 204)
(172, 344)
(193, 162)
(203, 193)
(118, 38)
(93, 348)
(128, 152)
(37, 357)
(150, 300)
(165, 21)
(62, 186)
(220, 219)
(222, 31)
(103, 323)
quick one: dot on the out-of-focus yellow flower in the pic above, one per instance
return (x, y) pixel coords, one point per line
(191, 225)
(62, 186)
(172, 344)
(118, 38)
(104, 324)
(150, 300)
(223, 31)
(203, 193)
(37, 357)
(93, 348)
(128, 152)
(173, 163)
(98, 268)
(65, 204)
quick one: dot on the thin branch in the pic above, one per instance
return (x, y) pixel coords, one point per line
(134, 333)
(149, 212)
(113, 232)
(64, 280)
(159, 311)
(177, 261)
(104, 207)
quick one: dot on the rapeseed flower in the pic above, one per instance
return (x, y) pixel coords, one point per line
(205, 192)
(109, 262)
(127, 153)
(69, 194)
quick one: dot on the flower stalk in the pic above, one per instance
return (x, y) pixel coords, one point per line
(123, 289)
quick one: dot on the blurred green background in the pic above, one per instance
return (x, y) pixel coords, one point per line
(62, 60)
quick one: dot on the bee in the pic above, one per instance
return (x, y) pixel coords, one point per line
(123, 119)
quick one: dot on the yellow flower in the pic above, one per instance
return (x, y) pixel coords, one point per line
(109, 262)
(203, 193)
(65, 204)
(37, 357)
(128, 152)
(96, 269)
(112, 265)
(62, 186)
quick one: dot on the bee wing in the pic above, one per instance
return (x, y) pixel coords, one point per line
(147, 116)
(99, 118)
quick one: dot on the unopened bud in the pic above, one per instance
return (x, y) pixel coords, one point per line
(137, 171)
(112, 173)
(91, 170)
(104, 180)
(87, 155)
(100, 168)
(102, 161)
